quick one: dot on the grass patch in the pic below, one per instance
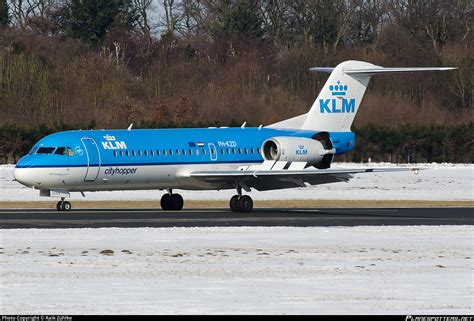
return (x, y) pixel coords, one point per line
(257, 203)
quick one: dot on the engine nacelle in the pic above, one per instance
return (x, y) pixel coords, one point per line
(294, 149)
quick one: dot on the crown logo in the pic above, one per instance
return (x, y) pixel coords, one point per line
(338, 90)
(109, 138)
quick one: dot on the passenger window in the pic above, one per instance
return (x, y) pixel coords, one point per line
(128, 154)
(240, 150)
(197, 152)
(157, 152)
(115, 153)
(184, 152)
(70, 152)
(146, 152)
(228, 151)
(233, 150)
(152, 153)
(177, 152)
(140, 153)
(190, 151)
(252, 150)
(121, 153)
(133, 153)
(164, 152)
(171, 152)
(45, 150)
(258, 150)
(246, 150)
(204, 151)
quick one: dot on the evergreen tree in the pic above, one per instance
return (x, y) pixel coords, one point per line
(242, 20)
(4, 16)
(91, 20)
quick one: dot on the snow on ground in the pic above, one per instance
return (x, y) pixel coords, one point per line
(249, 270)
(438, 182)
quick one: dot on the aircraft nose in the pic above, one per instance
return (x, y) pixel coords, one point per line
(24, 174)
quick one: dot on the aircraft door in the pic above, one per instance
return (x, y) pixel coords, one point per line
(212, 151)
(93, 159)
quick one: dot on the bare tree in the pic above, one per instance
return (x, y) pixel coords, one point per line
(435, 20)
(275, 14)
(23, 10)
(192, 17)
(170, 7)
(368, 21)
(348, 9)
(142, 7)
(143, 27)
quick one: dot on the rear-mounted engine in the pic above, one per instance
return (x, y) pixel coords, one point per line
(296, 149)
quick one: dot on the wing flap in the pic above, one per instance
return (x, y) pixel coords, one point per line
(263, 180)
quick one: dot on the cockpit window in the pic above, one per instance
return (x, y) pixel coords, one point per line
(64, 151)
(60, 151)
(45, 150)
(33, 150)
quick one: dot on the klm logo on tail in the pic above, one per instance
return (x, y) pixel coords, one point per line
(338, 104)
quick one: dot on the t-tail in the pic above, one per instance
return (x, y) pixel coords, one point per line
(338, 102)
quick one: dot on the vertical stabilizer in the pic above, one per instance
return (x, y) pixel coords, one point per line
(338, 102)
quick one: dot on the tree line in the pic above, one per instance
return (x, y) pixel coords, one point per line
(408, 144)
(186, 63)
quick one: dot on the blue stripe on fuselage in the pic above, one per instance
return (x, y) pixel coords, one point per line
(110, 141)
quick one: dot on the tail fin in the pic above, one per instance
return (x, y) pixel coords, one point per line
(339, 100)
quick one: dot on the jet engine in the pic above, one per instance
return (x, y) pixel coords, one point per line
(294, 149)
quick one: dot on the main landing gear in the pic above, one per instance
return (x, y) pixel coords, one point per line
(241, 203)
(172, 202)
(63, 206)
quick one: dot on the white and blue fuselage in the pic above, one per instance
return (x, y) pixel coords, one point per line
(100, 160)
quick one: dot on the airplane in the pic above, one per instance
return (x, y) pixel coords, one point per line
(292, 153)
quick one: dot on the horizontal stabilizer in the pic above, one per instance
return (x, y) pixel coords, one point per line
(374, 71)
(381, 70)
(322, 69)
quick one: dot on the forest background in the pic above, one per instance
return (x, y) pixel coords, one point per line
(93, 64)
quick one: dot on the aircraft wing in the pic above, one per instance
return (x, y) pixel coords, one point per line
(264, 180)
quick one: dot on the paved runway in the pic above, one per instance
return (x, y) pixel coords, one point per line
(95, 218)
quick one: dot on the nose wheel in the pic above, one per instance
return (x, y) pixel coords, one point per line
(172, 202)
(63, 206)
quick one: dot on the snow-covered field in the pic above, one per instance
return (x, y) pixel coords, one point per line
(439, 182)
(248, 270)
(277, 270)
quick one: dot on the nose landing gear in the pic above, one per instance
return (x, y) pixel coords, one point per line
(63, 206)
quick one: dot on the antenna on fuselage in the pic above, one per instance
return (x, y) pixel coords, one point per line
(130, 127)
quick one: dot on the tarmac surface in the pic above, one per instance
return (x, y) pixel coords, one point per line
(302, 217)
